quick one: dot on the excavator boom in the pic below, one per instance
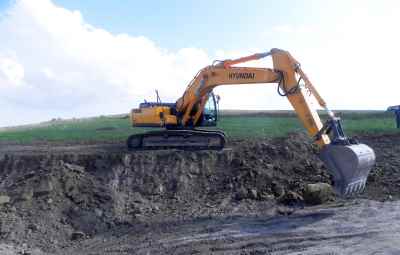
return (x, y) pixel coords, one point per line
(348, 162)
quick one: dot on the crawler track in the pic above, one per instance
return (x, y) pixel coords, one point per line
(178, 139)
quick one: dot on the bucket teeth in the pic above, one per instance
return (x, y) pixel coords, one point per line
(354, 188)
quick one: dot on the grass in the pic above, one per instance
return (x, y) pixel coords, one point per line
(236, 126)
(257, 127)
(101, 128)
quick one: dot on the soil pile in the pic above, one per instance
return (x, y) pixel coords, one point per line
(52, 197)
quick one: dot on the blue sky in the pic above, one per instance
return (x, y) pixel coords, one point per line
(4, 4)
(177, 24)
(212, 25)
(100, 57)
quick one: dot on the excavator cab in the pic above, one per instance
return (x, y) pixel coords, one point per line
(210, 113)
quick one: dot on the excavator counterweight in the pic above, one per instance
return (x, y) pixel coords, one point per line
(347, 161)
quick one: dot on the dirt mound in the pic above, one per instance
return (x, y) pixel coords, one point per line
(53, 197)
(384, 180)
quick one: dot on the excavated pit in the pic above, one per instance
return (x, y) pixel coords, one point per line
(53, 197)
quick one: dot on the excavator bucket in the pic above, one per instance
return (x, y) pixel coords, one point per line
(349, 166)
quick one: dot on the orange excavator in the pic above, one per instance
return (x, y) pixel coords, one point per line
(348, 161)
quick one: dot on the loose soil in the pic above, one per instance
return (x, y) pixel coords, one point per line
(247, 199)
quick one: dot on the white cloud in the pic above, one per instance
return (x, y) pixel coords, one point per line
(54, 64)
(11, 72)
(65, 67)
(351, 53)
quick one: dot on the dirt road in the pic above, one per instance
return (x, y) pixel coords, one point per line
(363, 227)
(358, 228)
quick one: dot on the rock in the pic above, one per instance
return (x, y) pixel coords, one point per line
(160, 189)
(277, 189)
(45, 187)
(242, 194)
(291, 198)
(77, 235)
(26, 252)
(75, 168)
(269, 148)
(138, 198)
(155, 208)
(4, 200)
(285, 211)
(72, 190)
(13, 209)
(237, 162)
(253, 194)
(225, 202)
(29, 175)
(26, 194)
(98, 212)
(318, 193)
(266, 196)
(127, 159)
(269, 167)
(33, 227)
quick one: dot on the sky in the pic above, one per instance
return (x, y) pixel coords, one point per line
(73, 58)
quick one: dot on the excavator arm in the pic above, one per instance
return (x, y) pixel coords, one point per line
(286, 72)
(347, 161)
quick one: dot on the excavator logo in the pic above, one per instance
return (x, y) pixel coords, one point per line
(239, 76)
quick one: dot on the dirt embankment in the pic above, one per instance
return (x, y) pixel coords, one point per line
(52, 197)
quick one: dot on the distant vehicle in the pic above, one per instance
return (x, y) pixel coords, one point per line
(396, 110)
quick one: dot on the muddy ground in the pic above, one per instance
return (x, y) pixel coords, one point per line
(246, 199)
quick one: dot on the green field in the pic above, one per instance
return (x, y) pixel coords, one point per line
(236, 125)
